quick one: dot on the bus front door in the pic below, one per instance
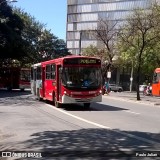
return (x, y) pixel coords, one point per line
(58, 80)
(43, 81)
(34, 81)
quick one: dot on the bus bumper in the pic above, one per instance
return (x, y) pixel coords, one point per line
(24, 86)
(67, 99)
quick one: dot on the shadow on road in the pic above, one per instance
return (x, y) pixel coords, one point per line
(18, 98)
(13, 93)
(79, 143)
(94, 107)
(89, 143)
(15, 98)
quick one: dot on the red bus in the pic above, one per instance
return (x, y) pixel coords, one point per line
(71, 79)
(156, 83)
(14, 78)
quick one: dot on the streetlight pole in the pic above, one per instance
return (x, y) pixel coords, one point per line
(9, 1)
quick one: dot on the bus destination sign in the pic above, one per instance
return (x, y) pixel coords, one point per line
(88, 61)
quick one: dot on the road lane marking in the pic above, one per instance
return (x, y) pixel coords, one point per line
(132, 112)
(105, 127)
(84, 120)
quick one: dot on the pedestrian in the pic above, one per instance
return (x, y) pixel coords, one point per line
(106, 88)
(148, 89)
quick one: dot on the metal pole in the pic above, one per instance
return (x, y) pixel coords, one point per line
(131, 79)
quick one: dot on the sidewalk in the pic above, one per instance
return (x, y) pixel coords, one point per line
(132, 97)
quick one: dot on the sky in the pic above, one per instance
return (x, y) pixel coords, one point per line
(53, 13)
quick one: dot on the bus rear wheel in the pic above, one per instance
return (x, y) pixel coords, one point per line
(86, 105)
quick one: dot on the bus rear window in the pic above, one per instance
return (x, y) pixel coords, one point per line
(25, 75)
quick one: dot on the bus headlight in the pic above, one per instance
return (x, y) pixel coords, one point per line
(65, 92)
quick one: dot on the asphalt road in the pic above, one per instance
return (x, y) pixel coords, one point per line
(113, 128)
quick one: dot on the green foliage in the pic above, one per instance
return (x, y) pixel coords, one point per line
(11, 42)
(93, 51)
(25, 40)
(139, 41)
(42, 44)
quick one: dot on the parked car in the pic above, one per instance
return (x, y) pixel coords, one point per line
(142, 87)
(115, 88)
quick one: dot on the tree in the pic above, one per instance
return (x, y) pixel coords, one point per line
(106, 33)
(11, 42)
(41, 44)
(24, 40)
(93, 51)
(138, 34)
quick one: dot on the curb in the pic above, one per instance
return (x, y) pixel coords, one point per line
(133, 101)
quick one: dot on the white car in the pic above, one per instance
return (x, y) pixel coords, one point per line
(115, 88)
(142, 87)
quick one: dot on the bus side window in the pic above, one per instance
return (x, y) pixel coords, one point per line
(53, 71)
(48, 72)
(158, 77)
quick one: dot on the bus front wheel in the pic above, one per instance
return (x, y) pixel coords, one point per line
(86, 105)
(56, 103)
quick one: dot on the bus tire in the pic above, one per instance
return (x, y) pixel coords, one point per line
(86, 105)
(56, 103)
(9, 88)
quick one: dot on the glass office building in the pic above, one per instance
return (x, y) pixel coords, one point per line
(83, 15)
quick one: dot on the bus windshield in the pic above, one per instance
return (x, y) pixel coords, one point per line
(156, 77)
(81, 77)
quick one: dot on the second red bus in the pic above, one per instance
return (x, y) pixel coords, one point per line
(15, 78)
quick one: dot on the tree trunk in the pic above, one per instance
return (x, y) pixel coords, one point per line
(138, 75)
